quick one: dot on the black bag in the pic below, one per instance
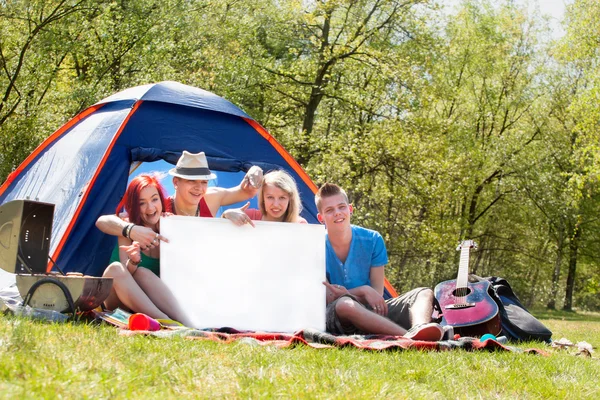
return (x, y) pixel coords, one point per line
(517, 323)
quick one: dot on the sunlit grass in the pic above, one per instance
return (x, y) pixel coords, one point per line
(566, 315)
(77, 360)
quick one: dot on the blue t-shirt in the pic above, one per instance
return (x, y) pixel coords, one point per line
(367, 250)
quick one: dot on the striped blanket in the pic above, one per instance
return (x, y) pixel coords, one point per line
(320, 340)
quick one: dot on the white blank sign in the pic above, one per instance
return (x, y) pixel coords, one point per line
(266, 278)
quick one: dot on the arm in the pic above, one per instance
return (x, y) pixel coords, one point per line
(216, 197)
(223, 197)
(129, 254)
(376, 276)
(372, 294)
(333, 292)
(113, 225)
(369, 296)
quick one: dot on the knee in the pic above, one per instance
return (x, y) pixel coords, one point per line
(346, 308)
(425, 295)
(115, 270)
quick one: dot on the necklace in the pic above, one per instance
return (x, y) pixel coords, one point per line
(189, 215)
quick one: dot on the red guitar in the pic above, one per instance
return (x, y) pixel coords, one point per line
(465, 305)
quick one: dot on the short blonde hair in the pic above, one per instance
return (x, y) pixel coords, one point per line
(284, 181)
(328, 190)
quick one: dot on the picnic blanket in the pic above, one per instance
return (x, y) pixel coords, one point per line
(307, 337)
(322, 340)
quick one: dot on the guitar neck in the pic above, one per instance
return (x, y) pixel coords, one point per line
(462, 278)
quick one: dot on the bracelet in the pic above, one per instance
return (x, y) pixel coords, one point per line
(127, 231)
(133, 262)
(124, 231)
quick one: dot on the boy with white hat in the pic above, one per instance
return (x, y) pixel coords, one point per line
(193, 197)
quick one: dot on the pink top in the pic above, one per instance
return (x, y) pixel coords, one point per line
(256, 215)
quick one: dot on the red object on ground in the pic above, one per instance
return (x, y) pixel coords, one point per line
(142, 322)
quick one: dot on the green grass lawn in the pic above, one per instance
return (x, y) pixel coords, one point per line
(78, 360)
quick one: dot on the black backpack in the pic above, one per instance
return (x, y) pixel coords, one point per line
(517, 323)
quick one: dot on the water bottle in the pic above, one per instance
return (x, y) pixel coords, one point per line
(38, 313)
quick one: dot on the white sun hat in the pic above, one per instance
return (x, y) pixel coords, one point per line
(193, 167)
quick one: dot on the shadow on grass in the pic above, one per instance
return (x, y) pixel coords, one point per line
(544, 313)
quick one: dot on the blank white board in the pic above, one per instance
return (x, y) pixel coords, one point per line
(266, 278)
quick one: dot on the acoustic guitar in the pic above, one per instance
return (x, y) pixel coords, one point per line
(467, 306)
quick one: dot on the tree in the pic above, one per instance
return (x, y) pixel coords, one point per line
(578, 55)
(31, 56)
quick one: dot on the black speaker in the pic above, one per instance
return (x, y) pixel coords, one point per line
(25, 232)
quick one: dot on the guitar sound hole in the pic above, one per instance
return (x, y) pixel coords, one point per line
(462, 292)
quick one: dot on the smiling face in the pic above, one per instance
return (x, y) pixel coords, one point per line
(335, 212)
(150, 206)
(138, 207)
(276, 203)
(188, 191)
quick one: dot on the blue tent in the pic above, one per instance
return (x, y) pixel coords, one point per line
(83, 167)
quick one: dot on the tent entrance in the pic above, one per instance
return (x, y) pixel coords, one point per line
(161, 169)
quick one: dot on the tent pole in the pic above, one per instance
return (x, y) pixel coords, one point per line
(134, 166)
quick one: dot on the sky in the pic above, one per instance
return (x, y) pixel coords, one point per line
(555, 9)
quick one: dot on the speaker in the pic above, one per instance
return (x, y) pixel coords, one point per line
(25, 232)
(88, 292)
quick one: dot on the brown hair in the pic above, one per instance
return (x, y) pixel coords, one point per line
(328, 190)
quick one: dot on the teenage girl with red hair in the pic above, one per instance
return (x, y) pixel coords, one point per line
(135, 263)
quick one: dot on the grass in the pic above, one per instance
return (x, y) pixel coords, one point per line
(78, 360)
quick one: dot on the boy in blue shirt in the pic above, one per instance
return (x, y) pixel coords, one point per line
(356, 258)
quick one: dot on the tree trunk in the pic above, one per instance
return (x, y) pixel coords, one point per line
(479, 256)
(536, 274)
(557, 263)
(316, 93)
(573, 247)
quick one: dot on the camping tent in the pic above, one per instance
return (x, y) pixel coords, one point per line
(83, 167)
